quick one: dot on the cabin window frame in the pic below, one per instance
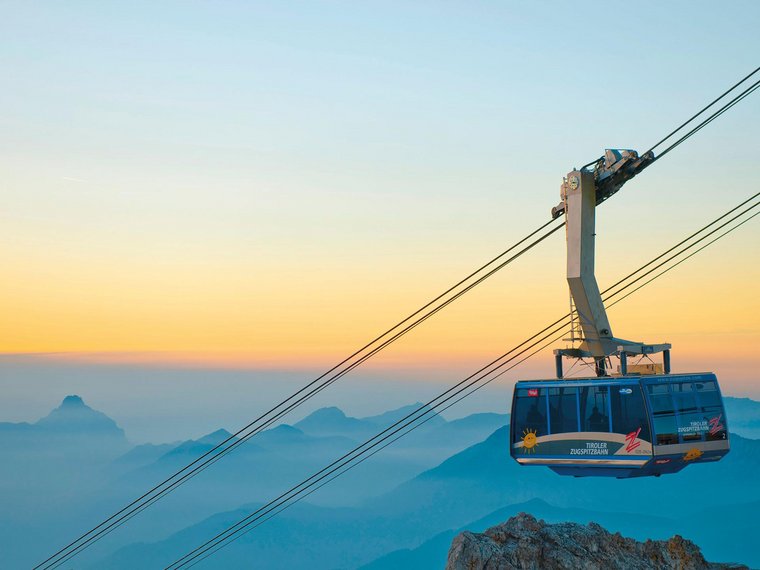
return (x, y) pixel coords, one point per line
(653, 413)
(680, 417)
(638, 393)
(683, 416)
(607, 409)
(577, 408)
(542, 394)
(711, 408)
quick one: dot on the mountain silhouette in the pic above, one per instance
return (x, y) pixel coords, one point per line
(72, 429)
(391, 417)
(433, 482)
(743, 415)
(422, 516)
(332, 421)
(73, 416)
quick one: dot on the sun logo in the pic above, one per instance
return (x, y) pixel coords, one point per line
(530, 440)
(692, 454)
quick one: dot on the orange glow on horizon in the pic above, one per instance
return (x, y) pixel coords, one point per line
(223, 313)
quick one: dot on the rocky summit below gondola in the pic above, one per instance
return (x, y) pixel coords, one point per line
(524, 543)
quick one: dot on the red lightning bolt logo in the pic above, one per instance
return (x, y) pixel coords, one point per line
(630, 440)
(715, 425)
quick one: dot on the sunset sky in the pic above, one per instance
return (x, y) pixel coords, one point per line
(269, 185)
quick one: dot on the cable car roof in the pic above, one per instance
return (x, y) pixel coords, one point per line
(614, 380)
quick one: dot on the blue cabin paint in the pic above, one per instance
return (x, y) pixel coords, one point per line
(625, 426)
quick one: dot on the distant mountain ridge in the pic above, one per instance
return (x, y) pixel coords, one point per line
(743, 416)
(397, 505)
(393, 416)
(330, 421)
(72, 416)
(467, 486)
(333, 421)
(67, 429)
(426, 505)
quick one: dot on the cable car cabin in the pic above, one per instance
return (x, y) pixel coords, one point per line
(629, 426)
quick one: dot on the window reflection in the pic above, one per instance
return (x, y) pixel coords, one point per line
(663, 412)
(628, 411)
(530, 412)
(687, 412)
(563, 410)
(594, 408)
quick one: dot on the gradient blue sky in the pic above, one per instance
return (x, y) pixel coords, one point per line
(271, 184)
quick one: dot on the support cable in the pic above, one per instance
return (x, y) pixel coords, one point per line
(674, 131)
(296, 399)
(704, 228)
(711, 118)
(152, 500)
(375, 451)
(709, 243)
(306, 392)
(232, 533)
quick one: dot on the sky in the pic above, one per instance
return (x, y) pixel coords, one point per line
(262, 187)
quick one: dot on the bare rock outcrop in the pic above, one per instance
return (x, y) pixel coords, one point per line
(524, 543)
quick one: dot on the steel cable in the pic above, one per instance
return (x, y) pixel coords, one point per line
(705, 108)
(226, 536)
(266, 419)
(296, 399)
(711, 118)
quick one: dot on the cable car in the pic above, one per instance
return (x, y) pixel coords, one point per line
(620, 427)
(641, 421)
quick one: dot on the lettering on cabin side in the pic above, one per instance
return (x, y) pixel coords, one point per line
(592, 448)
(694, 427)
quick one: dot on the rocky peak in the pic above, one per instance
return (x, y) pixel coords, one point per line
(73, 416)
(524, 543)
(328, 421)
(215, 437)
(392, 416)
(328, 414)
(72, 402)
